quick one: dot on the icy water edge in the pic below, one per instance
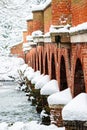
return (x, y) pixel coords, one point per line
(14, 105)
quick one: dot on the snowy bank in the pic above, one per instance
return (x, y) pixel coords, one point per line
(9, 67)
(62, 97)
(50, 88)
(76, 109)
(33, 125)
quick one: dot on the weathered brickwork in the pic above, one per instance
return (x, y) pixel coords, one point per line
(47, 19)
(17, 50)
(29, 27)
(79, 11)
(38, 21)
(61, 12)
(24, 36)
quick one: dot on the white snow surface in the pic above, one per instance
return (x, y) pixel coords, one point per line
(50, 88)
(62, 97)
(76, 109)
(37, 33)
(33, 125)
(13, 16)
(41, 82)
(79, 27)
(41, 6)
(28, 70)
(23, 68)
(36, 78)
(32, 75)
(9, 67)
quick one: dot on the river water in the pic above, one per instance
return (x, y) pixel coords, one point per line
(14, 105)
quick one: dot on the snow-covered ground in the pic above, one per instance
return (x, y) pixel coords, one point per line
(33, 125)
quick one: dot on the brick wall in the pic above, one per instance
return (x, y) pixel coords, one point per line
(38, 21)
(17, 50)
(47, 18)
(29, 27)
(61, 13)
(79, 52)
(79, 11)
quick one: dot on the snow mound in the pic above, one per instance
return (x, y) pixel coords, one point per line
(41, 82)
(23, 68)
(3, 126)
(32, 75)
(76, 109)
(28, 71)
(33, 125)
(35, 79)
(50, 88)
(62, 97)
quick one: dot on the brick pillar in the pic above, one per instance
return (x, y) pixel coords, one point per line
(38, 22)
(56, 115)
(79, 11)
(29, 27)
(24, 36)
(61, 12)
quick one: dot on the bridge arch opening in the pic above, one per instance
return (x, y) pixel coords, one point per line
(35, 63)
(41, 63)
(79, 84)
(53, 71)
(63, 78)
(46, 64)
(38, 61)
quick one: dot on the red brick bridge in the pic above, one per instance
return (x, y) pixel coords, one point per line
(62, 55)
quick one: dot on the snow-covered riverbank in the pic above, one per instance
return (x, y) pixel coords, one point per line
(17, 103)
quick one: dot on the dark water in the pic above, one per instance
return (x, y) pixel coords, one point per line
(14, 105)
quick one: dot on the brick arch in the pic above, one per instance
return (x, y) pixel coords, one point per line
(35, 61)
(79, 83)
(41, 62)
(46, 64)
(46, 59)
(63, 52)
(63, 76)
(53, 67)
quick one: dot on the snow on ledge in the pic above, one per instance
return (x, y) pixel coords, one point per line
(50, 88)
(29, 38)
(37, 33)
(76, 109)
(80, 27)
(59, 29)
(62, 97)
